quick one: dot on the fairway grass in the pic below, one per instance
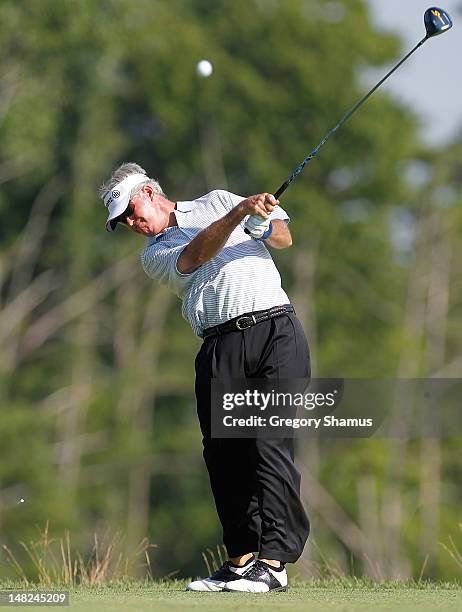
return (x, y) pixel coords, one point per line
(316, 596)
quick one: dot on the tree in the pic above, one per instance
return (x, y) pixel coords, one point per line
(95, 358)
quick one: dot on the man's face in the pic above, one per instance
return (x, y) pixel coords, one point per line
(144, 214)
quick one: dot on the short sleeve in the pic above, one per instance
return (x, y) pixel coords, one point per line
(279, 213)
(228, 199)
(159, 261)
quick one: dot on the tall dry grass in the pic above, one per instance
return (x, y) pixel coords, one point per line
(57, 562)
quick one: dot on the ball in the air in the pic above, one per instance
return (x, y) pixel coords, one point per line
(204, 68)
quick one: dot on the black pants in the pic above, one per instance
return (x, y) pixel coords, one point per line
(254, 481)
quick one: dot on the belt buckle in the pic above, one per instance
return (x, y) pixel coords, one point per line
(248, 321)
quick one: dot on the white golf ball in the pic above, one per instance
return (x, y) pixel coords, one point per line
(21, 501)
(204, 68)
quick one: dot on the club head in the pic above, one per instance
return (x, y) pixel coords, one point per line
(437, 21)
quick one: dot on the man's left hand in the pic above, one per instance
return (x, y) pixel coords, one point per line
(257, 226)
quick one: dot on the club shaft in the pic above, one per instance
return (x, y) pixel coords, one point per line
(314, 152)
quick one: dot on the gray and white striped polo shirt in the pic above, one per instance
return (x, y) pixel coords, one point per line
(241, 278)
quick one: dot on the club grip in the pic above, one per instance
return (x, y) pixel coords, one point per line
(281, 189)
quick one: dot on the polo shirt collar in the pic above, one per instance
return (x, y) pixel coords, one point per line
(180, 209)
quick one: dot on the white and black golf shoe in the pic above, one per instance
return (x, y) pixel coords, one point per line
(260, 578)
(227, 573)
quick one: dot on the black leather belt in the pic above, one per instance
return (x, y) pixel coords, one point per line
(247, 320)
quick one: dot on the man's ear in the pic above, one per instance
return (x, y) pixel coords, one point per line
(148, 190)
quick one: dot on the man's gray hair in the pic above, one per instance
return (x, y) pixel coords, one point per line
(121, 173)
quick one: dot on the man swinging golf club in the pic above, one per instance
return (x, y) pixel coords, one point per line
(212, 252)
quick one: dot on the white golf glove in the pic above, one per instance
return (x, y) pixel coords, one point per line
(258, 227)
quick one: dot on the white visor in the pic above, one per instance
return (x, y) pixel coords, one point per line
(117, 199)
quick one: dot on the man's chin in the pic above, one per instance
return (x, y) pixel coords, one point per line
(144, 231)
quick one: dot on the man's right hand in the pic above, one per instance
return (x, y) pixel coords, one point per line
(262, 204)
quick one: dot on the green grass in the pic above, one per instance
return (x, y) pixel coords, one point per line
(315, 596)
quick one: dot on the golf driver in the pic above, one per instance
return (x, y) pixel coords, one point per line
(436, 22)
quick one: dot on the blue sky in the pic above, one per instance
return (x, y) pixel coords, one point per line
(431, 80)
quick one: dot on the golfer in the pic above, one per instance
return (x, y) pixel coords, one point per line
(232, 297)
